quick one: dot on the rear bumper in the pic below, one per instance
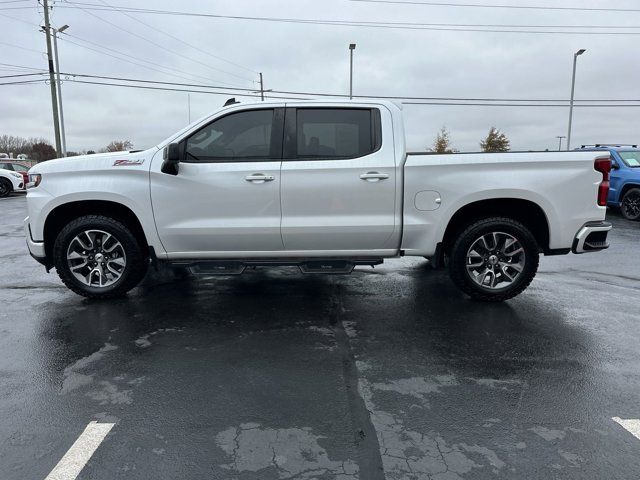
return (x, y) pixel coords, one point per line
(36, 249)
(592, 237)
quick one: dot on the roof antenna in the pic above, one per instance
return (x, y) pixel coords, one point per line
(231, 101)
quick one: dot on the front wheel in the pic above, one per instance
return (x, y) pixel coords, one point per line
(630, 206)
(494, 259)
(6, 187)
(98, 257)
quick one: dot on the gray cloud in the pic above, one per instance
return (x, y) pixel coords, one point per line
(315, 58)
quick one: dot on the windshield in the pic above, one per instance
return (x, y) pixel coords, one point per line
(20, 168)
(631, 158)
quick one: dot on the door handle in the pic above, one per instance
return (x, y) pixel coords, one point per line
(259, 178)
(374, 176)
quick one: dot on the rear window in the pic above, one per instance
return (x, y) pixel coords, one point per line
(336, 133)
(632, 158)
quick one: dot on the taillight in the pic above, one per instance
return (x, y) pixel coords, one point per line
(603, 165)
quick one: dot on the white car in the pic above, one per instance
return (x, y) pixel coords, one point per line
(10, 181)
(326, 186)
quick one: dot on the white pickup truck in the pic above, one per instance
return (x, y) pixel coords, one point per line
(324, 186)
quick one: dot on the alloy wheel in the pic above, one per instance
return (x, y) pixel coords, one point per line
(96, 258)
(495, 260)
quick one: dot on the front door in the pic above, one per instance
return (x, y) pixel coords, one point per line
(338, 181)
(226, 195)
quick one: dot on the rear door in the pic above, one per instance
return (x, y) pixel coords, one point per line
(338, 180)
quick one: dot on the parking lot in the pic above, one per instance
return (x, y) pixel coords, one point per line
(387, 373)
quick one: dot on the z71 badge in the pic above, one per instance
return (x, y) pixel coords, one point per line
(124, 163)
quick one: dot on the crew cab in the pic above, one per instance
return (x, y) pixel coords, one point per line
(326, 186)
(625, 177)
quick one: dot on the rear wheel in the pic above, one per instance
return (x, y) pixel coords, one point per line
(98, 257)
(494, 259)
(6, 187)
(630, 207)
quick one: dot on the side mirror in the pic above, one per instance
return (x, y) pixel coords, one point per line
(614, 166)
(171, 157)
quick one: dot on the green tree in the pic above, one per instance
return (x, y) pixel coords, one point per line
(496, 141)
(442, 143)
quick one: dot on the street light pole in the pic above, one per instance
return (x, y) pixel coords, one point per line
(52, 81)
(261, 88)
(352, 47)
(59, 84)
(560, 137)
(573, 88)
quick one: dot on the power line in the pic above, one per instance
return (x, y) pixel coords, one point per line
(154, 66)
(23, 75)
(201, 50)
(142, 37)
(147, 87)
(406, 99)
(519, 7)
(456, 104)
(20, 47)
(22, 82)
(355, 23)
(19, 20)
(20, 66)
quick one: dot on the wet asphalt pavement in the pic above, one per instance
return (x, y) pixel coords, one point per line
(387, 373)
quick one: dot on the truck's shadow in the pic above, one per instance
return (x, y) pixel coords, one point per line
(413, 308)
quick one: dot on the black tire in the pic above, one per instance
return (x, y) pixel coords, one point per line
(462, 278)
(6, 187)
(132, 273)
(630, 205)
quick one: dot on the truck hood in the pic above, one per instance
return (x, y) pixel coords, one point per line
(98, 161)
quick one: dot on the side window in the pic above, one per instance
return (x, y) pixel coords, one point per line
(336, 133)
(5, 166)
(241, 136)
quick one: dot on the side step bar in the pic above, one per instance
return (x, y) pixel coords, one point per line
(333, 266)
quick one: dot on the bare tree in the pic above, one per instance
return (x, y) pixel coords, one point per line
(119, 146)
(496, 141)
(442, 143)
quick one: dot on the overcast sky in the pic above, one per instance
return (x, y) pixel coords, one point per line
(303, 57)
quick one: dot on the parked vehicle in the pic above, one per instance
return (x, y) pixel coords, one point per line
(325, 186)
(9, 182)
(625, 177)
(16, 167)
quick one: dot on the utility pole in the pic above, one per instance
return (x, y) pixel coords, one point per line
(261, 88)
(352, 47)
(573, 88)
(55, 52)
(52, 81)
(189, 106)
(560, 137)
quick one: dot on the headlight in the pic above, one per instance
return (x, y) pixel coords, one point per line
(34, 180)
(16, 174)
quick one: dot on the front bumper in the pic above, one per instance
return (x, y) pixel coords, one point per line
(36, 249)
(592, 237)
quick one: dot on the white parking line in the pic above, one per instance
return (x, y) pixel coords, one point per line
(70, 466)
(632, 425)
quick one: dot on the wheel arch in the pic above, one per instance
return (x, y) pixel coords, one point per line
(527, 212)
(66, 212)
(626, 187)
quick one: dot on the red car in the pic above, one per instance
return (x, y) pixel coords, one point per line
(5, 164)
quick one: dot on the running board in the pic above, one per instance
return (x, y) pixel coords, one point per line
(332, 266)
